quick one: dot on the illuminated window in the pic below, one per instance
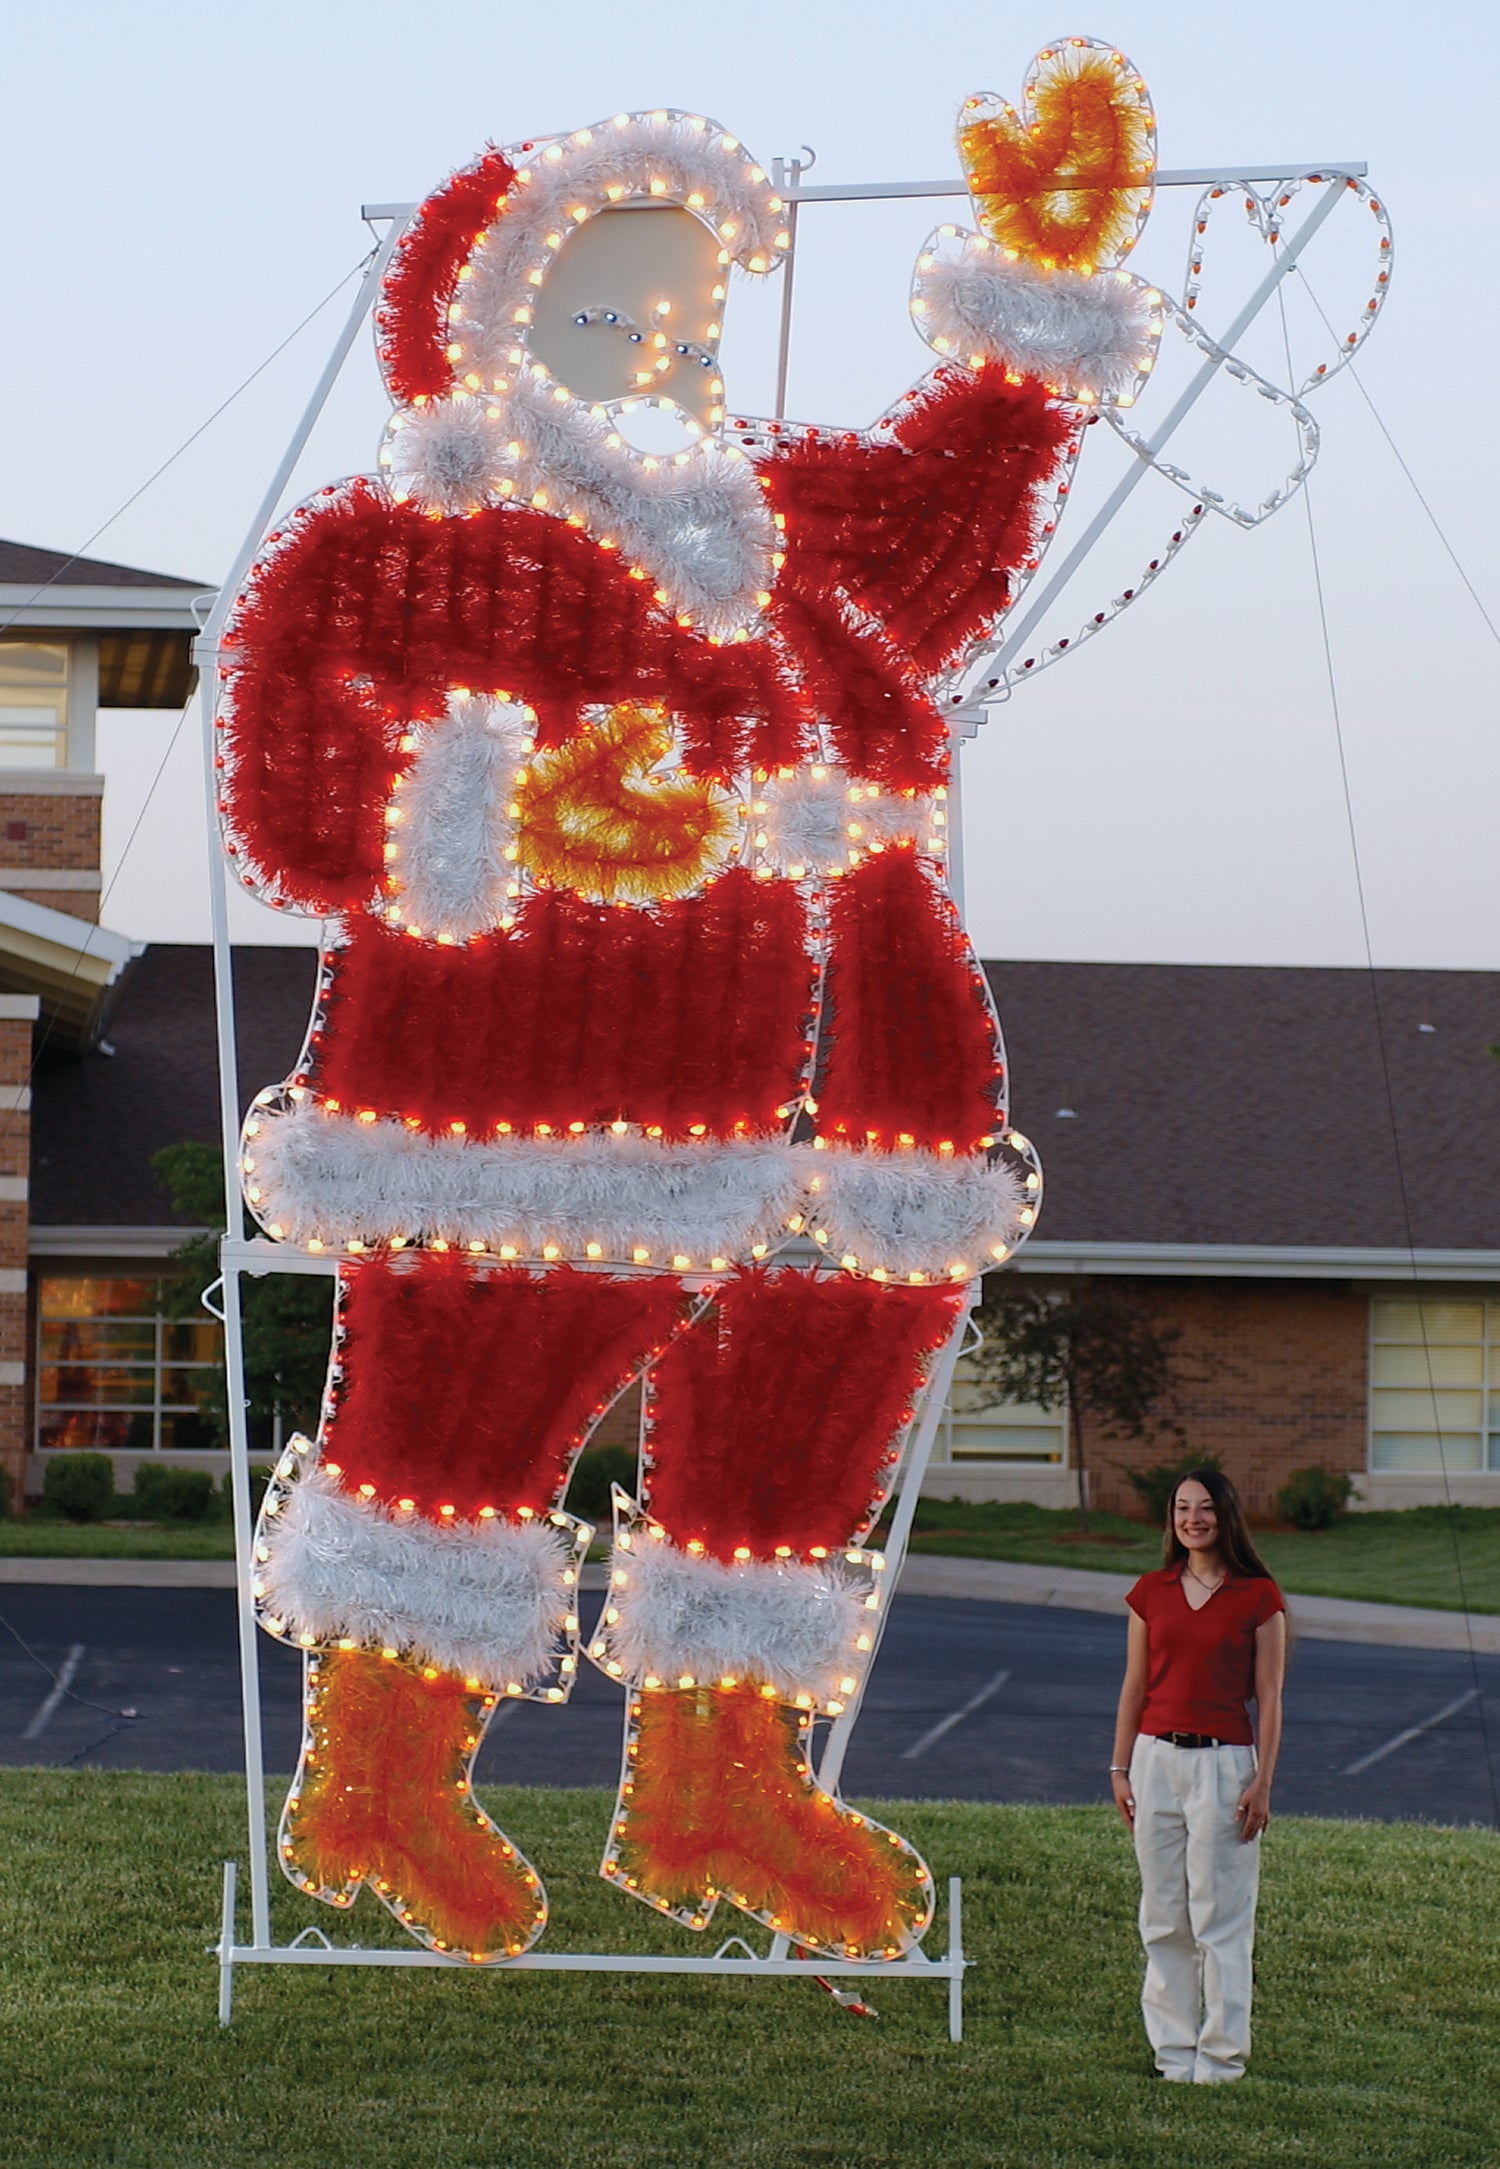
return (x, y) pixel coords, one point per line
(1434, 1385)
(33, 705)
(114, 1375)
(1013, 1431)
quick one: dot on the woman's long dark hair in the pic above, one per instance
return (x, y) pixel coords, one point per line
(1235, 1547)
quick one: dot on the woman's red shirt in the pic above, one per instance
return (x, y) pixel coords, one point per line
(1201, 1664)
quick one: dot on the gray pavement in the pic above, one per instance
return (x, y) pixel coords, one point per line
(986, 1581)
(1374, 1730)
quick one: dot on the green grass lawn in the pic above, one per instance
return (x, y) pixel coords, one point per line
(40, 1536)
(1443, 1557)
(1378, 2005)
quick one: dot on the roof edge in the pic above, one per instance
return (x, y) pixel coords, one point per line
(1260, 1261)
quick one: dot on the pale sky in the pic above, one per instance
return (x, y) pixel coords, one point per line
(183, 184)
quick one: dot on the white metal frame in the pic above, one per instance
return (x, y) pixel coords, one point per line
(239, 1257)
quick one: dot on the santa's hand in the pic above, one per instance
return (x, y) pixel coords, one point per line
(1061, 191)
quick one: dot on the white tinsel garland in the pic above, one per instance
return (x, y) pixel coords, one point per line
(329, 1177)
(696, 520)
(819, 820)
(447, 823)
(916, 1211)
(482, 1600)
(795, 1627)
(661, 157)
(1092, 337)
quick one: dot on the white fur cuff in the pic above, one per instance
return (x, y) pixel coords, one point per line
(1091, 338)
(493, 1601)
(676, 1618)
(311, 1175)
(922, 1212)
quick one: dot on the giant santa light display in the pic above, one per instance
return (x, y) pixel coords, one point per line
(647, 1039)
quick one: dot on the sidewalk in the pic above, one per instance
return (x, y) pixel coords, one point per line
(984, 1581)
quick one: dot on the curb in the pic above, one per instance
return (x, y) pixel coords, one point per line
(121, 1573)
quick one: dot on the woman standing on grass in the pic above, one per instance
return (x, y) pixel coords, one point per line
(1207, 1632)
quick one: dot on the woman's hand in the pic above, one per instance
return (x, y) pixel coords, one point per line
(1124, 1793)
(1254, 1810)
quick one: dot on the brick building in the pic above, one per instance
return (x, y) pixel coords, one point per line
(1219, 1142)
(78, 635)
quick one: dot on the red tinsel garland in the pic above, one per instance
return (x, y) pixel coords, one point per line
(881, 722)
(470, 1389)
(366, 612)
(412, 319)
(718, 1800)
(773, 1415)
(385, 1798)
(923, 534)
(691, 1012)
(907, 1043)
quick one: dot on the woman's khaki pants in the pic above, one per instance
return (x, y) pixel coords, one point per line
(1198, 1889)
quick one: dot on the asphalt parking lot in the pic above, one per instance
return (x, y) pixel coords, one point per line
(973, 1701)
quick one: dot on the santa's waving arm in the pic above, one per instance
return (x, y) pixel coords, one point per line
(904, 542)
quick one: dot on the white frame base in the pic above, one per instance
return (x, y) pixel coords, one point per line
(312, 1948)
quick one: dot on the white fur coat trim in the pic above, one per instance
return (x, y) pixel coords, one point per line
(447, 825)
(819, 820)
(660, 157)
(794, 1627)
(310, 1174)
(1084, 337)
(483, 1600)
(918, 1211)
(697, 520)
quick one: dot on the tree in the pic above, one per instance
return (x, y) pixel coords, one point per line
(288, 1317)
(1084, 1349)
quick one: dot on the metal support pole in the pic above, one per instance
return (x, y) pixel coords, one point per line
(956, 1959)
(1189, 398)
(226, 1945)
(206, 655)
(914, 1469)
(786, 176)
(898, 191)
(234, 1359)
(1168, 177)
(954, 867)
(359, 309)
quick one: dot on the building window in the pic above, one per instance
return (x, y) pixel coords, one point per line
(1434, 1385)
(114, 1375)
(33, 705)
(1010, 1431)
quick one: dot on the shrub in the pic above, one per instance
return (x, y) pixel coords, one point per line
(82, 1486)
(1154, 1486)
(594, 1472)
(1313, 1498)
(4, 1494)
(169, 1493)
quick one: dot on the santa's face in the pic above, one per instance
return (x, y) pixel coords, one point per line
(632, 308)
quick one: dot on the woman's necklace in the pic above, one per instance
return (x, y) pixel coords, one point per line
(1209, 1586)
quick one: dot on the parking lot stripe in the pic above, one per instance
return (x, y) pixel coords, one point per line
(955, 1717)
(1412, 1732)
(62, 1682)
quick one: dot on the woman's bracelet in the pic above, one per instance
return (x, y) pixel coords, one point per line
(1119, 1769)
